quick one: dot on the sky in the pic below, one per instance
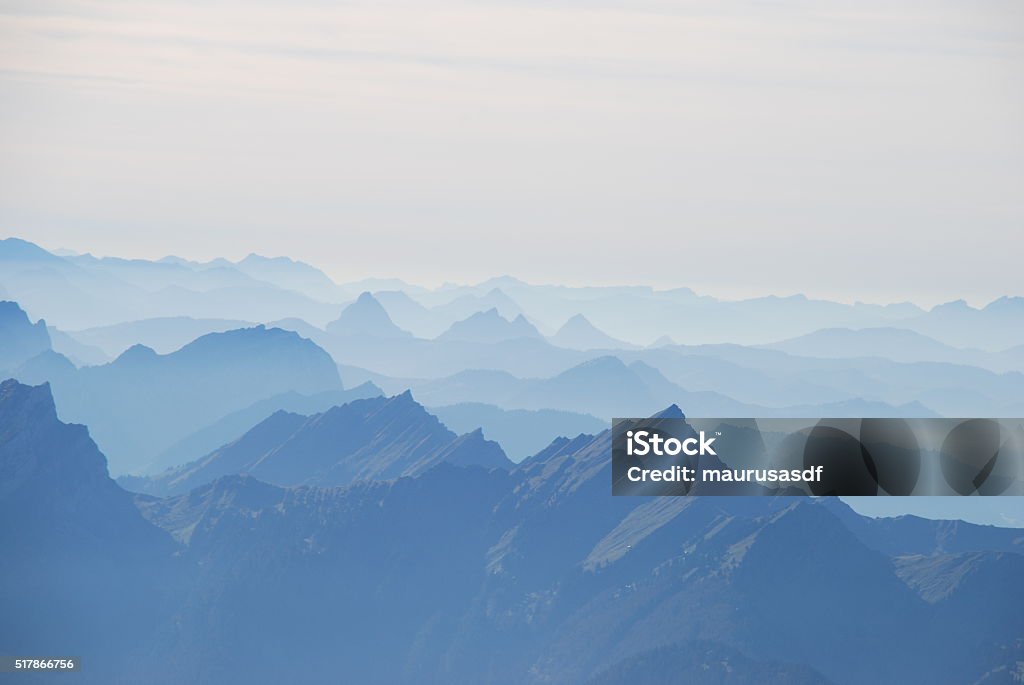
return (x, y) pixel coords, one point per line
(869, 150)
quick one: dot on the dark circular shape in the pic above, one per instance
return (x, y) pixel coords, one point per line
(895, 451)
(847, 467)
(970, 458)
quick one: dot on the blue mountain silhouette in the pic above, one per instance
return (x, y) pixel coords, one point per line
(468, 574)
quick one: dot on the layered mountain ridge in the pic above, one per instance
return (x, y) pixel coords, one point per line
(379, 438)
(127, 402)
(534, 575)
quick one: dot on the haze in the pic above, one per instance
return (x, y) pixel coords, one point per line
(863, 150)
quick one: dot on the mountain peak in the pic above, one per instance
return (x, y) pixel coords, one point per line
(22, 250)
(490, 326)
(136, 353)
(504, 281)
(252, 257)
(366, 317)
(520, 320)
(33, 401)
(579, 334)
(473, 449)
(954, 306)
(1006, 304)
(670, 412)
(379, 438)
(405, 397)
(22, 339)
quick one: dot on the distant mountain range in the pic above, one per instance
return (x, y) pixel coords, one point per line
(896, 344)
(608, 387)
(490, 327)
(530, 374)
(143, 402)
(467, 574)
(464, 305)
(163, 335)
(76, 292)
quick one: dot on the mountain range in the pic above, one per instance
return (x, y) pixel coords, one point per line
(163, 334)
(896, 344)
(143, 402)
(83, 291)
(76, 292)
(638, 388)
(490, 327)
(466, 574)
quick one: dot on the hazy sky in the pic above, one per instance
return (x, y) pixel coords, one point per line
(864, 149)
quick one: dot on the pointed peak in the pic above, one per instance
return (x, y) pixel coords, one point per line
(366, 317)
(578, 324)
(18, 249)
(31, 400)
(473, 449)
(490, 326)
(670, 412)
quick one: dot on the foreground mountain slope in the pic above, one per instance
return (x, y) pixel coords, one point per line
(465, 574)
(82, 572)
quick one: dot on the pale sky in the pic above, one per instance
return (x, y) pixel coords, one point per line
(860, 149)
